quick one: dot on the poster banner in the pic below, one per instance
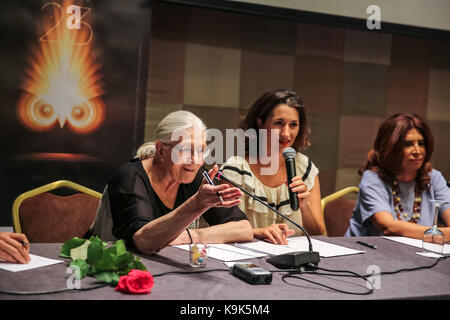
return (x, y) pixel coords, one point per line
(73, 83)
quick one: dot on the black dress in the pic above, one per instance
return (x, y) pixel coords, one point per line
(134, 203)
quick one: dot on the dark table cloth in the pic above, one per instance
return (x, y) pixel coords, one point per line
(431, 283)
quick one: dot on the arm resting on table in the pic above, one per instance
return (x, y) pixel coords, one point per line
(386, 224)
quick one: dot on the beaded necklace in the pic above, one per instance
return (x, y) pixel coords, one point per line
(415, 216)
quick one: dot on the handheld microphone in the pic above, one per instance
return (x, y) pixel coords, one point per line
(293, 260)
(289, 157)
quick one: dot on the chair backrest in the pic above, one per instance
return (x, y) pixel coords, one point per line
(46, 217)
(337, 211)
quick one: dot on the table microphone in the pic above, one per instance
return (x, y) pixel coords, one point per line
(293, 260)
(289, 157)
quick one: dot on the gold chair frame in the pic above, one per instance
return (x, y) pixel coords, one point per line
(45, 188)
(334, 196)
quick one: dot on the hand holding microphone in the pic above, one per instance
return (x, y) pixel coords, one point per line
(298, 192)
(299, 188)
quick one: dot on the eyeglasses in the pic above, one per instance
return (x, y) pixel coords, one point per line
(186, 153)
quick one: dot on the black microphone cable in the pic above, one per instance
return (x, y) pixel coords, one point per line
(348, 273)
(335, 273)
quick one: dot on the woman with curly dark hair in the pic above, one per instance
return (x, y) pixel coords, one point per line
(279, 120)
(398, 182)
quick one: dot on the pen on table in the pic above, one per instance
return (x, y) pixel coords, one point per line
(206, 175)
(24, 243)
(26, 246)
(366, 244)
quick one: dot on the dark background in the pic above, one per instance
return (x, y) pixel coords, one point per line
(121, 31)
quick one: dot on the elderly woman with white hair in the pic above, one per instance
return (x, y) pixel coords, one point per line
(157, 198)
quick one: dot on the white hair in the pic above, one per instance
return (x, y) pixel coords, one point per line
(173, 121)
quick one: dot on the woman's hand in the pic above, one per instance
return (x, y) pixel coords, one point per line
(14, 247)
(212, 196)
(299, 186)
(274, 233)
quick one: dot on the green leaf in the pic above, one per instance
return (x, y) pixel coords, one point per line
(92, 270)
(108, 277)
(112, 250)
(92, 257)
(137, 264)
(81, 268)
(95, 250)
(120, 247)
(69, 245)
(80, 252)
(124, 259)
(107, 262)
(123, 262)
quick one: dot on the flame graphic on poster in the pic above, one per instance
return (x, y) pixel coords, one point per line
(62, 85)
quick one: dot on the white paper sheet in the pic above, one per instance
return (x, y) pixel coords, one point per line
(415, 242)
(35, 262)
(226, 252)
(430, 255)
(325, 249)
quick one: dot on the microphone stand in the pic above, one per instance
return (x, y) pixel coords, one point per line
(293, 260)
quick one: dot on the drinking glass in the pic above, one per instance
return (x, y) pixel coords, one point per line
(433, 238)
(198, 254)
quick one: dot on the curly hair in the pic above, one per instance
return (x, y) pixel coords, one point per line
(387, 154)
(264, 106)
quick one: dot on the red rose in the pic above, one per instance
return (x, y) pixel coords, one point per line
(137, 281)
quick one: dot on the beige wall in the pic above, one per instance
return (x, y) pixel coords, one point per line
(216, 63)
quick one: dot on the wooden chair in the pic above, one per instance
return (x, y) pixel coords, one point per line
(46, 217)
(337, 211)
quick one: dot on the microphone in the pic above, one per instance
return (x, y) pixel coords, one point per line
(293, 260)
(289, 157)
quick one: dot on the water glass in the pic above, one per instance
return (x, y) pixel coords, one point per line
(198, 255)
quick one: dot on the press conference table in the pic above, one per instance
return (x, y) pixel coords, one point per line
(431, 283)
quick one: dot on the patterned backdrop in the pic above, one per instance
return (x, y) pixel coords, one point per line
(216, 63)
